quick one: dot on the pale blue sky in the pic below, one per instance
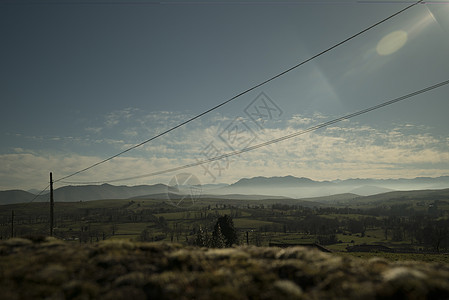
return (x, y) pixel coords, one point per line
(81, 82)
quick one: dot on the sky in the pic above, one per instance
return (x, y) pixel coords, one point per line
(84, 80)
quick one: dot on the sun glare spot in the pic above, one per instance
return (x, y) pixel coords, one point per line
(392, 42)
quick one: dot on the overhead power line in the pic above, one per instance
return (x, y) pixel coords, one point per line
(274, 141)
(185, 2)
(36, 196)
(240, 94)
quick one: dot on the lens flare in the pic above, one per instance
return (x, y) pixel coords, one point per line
(392, 42)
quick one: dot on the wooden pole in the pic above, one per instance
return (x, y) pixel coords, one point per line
(12, 224)
(52, 204)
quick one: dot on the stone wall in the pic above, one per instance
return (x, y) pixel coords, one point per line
(53, 269)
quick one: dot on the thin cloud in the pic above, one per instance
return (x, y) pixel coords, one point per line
(114, 118)
(94, 130)
(299, 120)
(345, 151)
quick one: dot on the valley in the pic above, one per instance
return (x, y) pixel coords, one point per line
(405, 222)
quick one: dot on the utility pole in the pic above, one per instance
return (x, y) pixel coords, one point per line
(52, 204)
(12, 224)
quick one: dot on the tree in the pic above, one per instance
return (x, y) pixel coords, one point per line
(218, 239)
(145, 236)
(435, 233)
(201, 238)
(397, 235)
(327, 239)
(356, 226)
(227, 229)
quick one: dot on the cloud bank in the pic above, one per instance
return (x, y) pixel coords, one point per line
(344, 150)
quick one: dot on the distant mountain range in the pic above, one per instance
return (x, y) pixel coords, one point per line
(278, 181)
(15, 196)
(295, 187)
(86, 193)
(302, 181)
(246, 188)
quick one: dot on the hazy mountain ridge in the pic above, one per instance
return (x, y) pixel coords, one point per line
(367, 190)
(294, 187)
(86, 193)
(15, 196)
(246, 188)
(442, 194)
(278, 181)
(291, 180)
(106, 191)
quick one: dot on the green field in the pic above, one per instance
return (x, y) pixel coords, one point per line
(398, 224)
(435, 258)
(247, 223)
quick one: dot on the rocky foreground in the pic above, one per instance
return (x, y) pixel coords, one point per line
(52, 269)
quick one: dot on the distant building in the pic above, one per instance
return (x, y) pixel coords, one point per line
(312, 245)
(369, 248)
